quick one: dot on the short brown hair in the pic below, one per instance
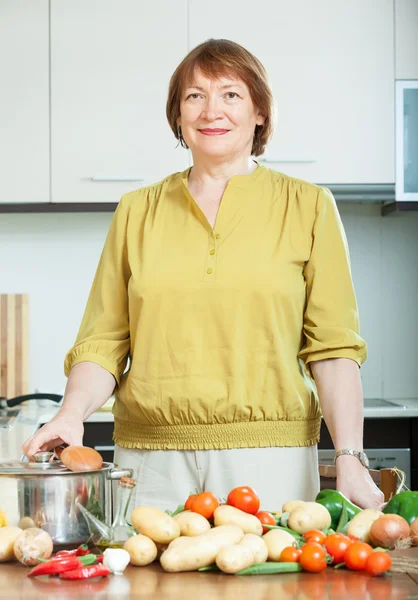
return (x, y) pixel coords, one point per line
(218, 58)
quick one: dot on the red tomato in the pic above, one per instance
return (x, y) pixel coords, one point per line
(266, 518)
(205, 504)
(378, 563)
(290, 554)
(313, 557)
(314, 535)
(356, 556)
(353, 538)
(189, 501)
(336, 545)
(244, 498)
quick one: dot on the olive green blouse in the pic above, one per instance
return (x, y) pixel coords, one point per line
(218, 326)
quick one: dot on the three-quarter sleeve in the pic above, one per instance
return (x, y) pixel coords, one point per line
(104, 337)
(331, 322)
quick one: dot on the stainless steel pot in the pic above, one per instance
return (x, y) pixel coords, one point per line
(48, 493)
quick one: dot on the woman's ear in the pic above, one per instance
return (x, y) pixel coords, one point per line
(260, 120)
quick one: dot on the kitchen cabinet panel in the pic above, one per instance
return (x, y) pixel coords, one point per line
(110, 68)
(406, 39)
(331, 66)
(24, 101)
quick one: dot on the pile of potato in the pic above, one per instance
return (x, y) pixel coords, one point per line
(188, 542)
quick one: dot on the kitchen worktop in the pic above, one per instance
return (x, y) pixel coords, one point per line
(153, 583)
(33, 414)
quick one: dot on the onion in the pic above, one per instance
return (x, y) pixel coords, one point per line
(81, 458)
(414, 532)
(31, 544)
(388, 531)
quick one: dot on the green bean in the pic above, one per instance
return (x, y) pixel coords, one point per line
(213, 567)
(295, 534)
(268, 568)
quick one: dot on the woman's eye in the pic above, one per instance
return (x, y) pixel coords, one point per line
(194, 96)
(232, 95)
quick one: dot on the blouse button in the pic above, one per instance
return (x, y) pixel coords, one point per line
(212, 252)
(209, 271)
(217, 236)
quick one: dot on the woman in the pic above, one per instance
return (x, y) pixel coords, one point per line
(228, 287)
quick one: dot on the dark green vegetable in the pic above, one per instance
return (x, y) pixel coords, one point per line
(268, 568)
(209, 568)
(344, 520)
(334, 503)
(404, 504)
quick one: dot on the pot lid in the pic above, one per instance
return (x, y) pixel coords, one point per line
(42, 463)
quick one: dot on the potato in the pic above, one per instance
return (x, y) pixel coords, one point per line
(232, 559)
(310, 515)
(8, 535)
(192, 523)
(32, 544)
(142, 550)
(291, 505)
(81, 458)
(155, 524)
(361, 524)
(229, 515)
(191, 553)
(257, 545)
(276, 540)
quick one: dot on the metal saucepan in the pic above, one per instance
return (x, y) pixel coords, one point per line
(47, 492)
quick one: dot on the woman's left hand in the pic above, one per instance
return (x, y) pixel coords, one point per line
(356, 483)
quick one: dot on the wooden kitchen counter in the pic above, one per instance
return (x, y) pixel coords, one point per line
(152, 583)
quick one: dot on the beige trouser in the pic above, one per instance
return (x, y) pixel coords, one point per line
(165, 478)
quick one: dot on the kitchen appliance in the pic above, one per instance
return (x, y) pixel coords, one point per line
(9, 414)
(406, 109)
(14, 344)
(47, 492)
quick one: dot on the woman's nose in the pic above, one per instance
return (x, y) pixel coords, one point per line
(211, 110)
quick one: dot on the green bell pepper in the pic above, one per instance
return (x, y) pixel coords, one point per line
(404, 504)
(334, 503)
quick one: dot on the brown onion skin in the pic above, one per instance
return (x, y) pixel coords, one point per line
(414, 532)
(387, 530)
(81, 458)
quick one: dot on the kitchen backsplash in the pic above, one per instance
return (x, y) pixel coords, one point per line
(53, 257)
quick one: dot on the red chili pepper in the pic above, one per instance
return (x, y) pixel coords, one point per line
(56, 565)
(99, 558)
(80, 551)
(86, 572)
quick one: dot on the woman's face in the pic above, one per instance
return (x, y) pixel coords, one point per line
(217, 117)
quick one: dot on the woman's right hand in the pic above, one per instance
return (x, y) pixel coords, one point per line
(62, 429)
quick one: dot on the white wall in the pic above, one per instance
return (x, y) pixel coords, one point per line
(53, 257)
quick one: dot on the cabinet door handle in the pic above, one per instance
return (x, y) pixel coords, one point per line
(104, 448)
(104, 178)
(283, 159)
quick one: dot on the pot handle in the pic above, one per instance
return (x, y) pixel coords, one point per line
(118, 473)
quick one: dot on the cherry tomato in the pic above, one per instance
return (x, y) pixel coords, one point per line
(189, 501)
(313, 557)
(290, 554)
(266, 518)
(353, 538)
(356, 556)
(378, 562)
(244, 498)
(336, 545)
(205, 504)
(315, 535)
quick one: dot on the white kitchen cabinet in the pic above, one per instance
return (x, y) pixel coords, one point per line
(111, 63)
(24, 101)
(331, 66)
(406, 39)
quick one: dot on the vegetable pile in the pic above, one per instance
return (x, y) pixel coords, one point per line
(235, 537)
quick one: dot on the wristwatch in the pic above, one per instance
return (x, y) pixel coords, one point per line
(362, 456)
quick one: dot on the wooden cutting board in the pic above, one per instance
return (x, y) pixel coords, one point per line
(14, 345)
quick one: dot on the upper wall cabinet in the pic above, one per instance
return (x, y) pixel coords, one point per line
(24, 101)
(330, 64)
(111, 62)
(406, 39)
